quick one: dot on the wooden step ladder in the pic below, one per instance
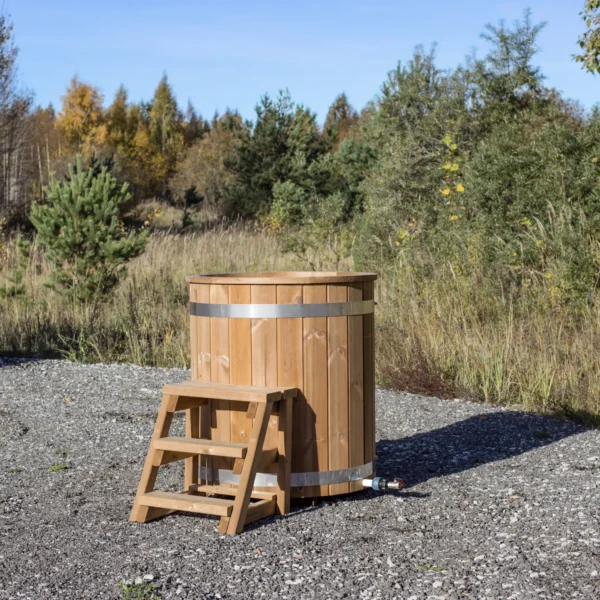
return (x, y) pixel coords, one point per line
(242, 504)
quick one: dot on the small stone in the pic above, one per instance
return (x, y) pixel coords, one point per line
(149, 577)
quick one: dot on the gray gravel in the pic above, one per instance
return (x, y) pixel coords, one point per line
(500, 504)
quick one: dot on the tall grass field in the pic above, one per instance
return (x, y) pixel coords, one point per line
(452, 336)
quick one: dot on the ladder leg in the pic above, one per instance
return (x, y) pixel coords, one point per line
(141, 513)
(205, 432)
(192, 430)
(284, 462)
(255, 444)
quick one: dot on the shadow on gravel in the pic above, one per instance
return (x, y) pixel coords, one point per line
(466, 444)
(11, 361)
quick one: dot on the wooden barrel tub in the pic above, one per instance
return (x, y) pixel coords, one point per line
(313, 331)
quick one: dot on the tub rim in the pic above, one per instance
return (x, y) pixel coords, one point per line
(282, 277)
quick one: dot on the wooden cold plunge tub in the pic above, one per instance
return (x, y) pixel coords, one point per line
(313, 331)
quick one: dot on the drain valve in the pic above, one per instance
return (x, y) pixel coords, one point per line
(380, 484)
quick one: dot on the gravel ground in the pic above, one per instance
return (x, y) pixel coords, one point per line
(500, 504)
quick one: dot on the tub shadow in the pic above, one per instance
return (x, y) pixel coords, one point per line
(464, 445)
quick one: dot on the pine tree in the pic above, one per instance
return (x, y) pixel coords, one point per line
(195, 127)
(341, 118)
(80, 229)
(281, 145)
(118, 123)
(166, 129)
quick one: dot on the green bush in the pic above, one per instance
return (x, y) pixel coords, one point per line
(84, 238)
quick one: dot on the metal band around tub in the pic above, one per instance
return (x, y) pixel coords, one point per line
(297, 479)
(282, 311)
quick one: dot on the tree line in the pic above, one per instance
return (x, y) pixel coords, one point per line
(483, 166)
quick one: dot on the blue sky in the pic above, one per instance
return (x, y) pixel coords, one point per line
(228, 53)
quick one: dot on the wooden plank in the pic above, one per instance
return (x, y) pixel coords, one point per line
(231, 491)
(255, 445)
(240, 342)
(284, 458)
(185, 403)
(200, 446)
(260, 510)
(140, 512)
(337, 385)
(193, 335)
(264, 351)
(192, 431)
(203, 361)
(290, 362)
(164, 458)
(189, 503)
(315, 425)
(230, 391)
(369, 374)
(200, 335)
(356, 385)
(286, 278)
(220, 371)
(267, 458)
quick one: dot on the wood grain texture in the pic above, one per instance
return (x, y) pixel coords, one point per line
(283, 278)
(255, 444)
(220, 371)
(192, 430)
(240, 342)
(313, 430)
(330, 432)
(356, 385)
(337, 385)
(140, 512)
(264, 352)
(290, 363)
(369, 375)
(201, 360)
(200, 331)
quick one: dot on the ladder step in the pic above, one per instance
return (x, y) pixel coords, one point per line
(201, 446)
(188, 503)
(229, 391)
(232, 491)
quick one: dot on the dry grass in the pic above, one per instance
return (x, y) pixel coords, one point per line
(447, 338)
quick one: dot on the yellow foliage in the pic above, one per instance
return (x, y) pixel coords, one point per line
(82, 115)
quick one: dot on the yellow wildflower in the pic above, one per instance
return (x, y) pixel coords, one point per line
(460, 188)
(446, 191)
(453, 146)
(595, 159)
(397, 243)
(448, 166)
(454, 217)
(454, 167)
